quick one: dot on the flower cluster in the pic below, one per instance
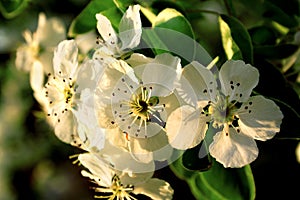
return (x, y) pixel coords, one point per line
(129, 112)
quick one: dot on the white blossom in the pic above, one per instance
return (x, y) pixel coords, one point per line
(137, 100)
(66, 95)
(113, 45)
(229, 107)
(123, 185)
(35, 56)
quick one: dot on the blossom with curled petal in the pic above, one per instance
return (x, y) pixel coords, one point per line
(123, 185)
(113, 44)
(65, 94)
(35, 56)
(242, 118)
(137, 100)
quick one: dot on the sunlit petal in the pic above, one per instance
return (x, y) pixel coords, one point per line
(233, 149)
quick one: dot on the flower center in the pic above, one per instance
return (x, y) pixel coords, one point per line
(138, 113)
(118, 190)
(118, 187)
(222, 111)
(61, 94)
(142, 104)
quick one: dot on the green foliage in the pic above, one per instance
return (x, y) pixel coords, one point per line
(218, 183)
(262, 33)
(231, 49)
(10, 9)
(236, 39)
(86, 20)
(172, 32)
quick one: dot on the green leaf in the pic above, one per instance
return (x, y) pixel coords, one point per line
(275, 51)
(263, 35)
(231, 49)
(172, 19)
(277, 14)
(221, 183)
(86, 20)
(179, 170)
(197, 158)
(239, 35)
(114, 15)
(284, 13)
(123, 4)
(148, 14)
(174, 33)
(154, 42)
(167, 40)
(10, 9)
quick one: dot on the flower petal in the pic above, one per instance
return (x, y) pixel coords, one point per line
(88, 75)
(233, 149)
(117, 138)
(130, 28)
(46, 58)
(155, 189)
(186, 127)
(106, 31)
(66, 129)
(161, 74)
(111, 80)
(297, 152)
(136, 178)
(49, 32)
(238, 80)
(196, 84)
(124, 162)
(259, 118)
(153, 148)
(65, 59)
(86, 41)
(25, 56)
(137, 59)
(104, 115)
(97, 167)
(37, 76)
(91, 135)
